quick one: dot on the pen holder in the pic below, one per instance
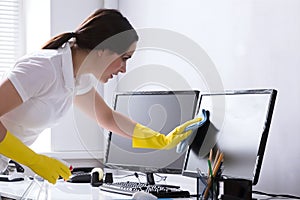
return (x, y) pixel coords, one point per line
(212, 189)
(207, 188)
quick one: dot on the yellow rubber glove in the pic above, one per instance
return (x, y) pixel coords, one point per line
(144, 137)
(48, 168)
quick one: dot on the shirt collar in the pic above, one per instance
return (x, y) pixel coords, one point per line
(67, 66)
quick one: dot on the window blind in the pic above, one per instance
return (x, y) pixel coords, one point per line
(10, 33)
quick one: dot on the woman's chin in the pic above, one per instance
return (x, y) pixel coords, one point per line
(102, 80)
(105, 80)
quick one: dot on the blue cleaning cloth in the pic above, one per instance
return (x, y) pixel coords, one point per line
(182, 146)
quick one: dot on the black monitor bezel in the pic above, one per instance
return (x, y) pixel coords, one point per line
(264, 135)
(140, 168)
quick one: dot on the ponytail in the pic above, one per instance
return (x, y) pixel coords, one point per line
(59, 40)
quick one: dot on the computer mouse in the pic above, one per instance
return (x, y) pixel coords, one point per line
(141, 195)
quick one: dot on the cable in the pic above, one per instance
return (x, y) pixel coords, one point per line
(162, 178)
(137, 176)
(275, 195)
(128, 175)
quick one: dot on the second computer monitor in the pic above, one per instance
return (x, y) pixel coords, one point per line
(239, 127)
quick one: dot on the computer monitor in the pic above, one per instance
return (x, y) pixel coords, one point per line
(161, 111)
(239, 127)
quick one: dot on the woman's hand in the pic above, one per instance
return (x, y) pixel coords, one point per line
(46, 167)
(144, 137)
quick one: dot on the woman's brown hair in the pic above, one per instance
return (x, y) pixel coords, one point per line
(104, 29)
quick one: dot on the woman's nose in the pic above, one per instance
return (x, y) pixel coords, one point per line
(123, 68)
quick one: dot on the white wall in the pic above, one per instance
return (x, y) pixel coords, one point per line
(37, 16)
(253, 44)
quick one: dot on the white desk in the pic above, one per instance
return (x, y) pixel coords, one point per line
(82, 191)
(59, 191)
(75, 191)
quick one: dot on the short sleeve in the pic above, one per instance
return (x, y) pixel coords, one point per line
(31, 77)
(84, 83)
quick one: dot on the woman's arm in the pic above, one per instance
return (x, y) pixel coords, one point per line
(96, 108)
(12, 147)
(9, 100)
(142, 137)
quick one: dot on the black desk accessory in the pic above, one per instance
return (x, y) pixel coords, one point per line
(84, 177)
(81, 175)
(18, 167)
(236, 188)
(6, 178)
(108, 178)
(13, 172)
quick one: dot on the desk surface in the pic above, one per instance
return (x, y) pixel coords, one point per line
(77, 191)
(59, 191)
(34, 189)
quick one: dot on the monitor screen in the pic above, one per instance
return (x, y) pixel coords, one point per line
(239, 126)
(161, 111)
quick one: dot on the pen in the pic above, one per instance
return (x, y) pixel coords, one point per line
(210, 160)
(218, 164)
(216, 158)
(210, 169)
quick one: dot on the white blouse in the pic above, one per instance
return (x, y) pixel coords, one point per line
(45, 81)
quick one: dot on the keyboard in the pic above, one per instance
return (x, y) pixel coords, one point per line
(160, 191)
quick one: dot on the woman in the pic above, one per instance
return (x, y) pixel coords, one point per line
(42, 86)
